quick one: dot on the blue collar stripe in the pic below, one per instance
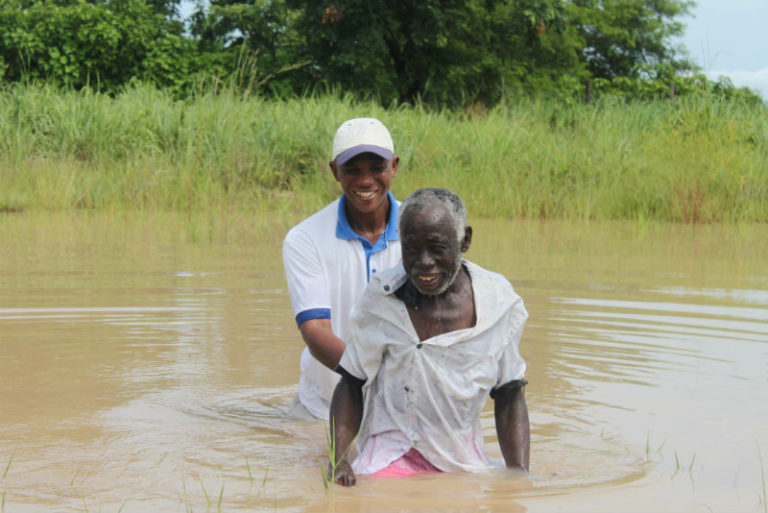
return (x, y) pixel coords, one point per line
(345, 231)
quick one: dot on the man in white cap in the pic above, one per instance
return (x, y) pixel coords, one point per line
(330, 257)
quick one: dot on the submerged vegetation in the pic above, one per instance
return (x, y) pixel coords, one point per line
(697, 159)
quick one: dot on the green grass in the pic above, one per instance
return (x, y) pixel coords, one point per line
(695, 160)
(248, 467)
(205, 492)
(8, 466)
(333, 462)
(5, 474)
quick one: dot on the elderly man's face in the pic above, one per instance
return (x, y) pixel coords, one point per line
(431, 249)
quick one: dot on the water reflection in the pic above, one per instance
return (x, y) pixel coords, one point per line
(145, 371)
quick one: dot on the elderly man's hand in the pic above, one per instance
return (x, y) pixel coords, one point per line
(344, 475)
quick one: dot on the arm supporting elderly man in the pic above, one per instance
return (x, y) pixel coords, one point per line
(323, 344)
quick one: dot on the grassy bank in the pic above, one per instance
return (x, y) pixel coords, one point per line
(695, 160)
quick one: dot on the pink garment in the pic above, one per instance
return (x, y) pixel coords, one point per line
(409, 464)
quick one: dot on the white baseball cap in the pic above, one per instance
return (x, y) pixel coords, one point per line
(362, 135)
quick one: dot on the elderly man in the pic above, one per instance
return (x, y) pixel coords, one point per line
(431, 339)
(330, 256)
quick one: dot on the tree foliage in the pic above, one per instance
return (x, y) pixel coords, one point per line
(257, 38)
(451, 52)
(77, 43)
(621, 36)
(438, 52)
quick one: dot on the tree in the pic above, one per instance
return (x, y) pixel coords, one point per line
(443, 51)
(623, 36)
(78, 43)
(255, 40)
(450, 52)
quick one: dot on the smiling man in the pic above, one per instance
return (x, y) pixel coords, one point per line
(431, 339)
(330, 257)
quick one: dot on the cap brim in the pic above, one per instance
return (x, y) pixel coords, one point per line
(353, 152)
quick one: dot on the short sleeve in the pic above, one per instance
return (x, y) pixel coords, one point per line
(364, 352)
(350, 361)
(306, 278)
(511, 363)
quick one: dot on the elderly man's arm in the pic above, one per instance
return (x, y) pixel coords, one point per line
(326, 347)
(345, 417)
(512, 427)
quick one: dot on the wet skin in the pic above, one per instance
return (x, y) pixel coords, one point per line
(432, 261)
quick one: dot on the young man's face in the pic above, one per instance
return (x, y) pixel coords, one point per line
(431, 249)
(365, 181)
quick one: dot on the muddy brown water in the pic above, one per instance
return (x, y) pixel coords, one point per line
(146, 361)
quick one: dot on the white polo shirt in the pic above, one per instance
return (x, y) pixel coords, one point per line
(428, 394)
(327, 267)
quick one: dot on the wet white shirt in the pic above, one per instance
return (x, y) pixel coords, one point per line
(327, 267)
(429, 394)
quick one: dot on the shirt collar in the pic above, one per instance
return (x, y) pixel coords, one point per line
(345, 231)
(493, 294)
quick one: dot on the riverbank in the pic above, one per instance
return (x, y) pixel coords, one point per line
(690, 160)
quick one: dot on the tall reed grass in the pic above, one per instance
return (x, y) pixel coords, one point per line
(689, 160)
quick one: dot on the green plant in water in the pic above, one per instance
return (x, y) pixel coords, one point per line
(658, 451)
(677, 466)
(690, 471)
(205, 493)
(248, 467)
(8, 466)
(322, 474)
(333, 463)
(5, 474)
(648, 446)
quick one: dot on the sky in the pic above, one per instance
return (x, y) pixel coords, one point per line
(730, 38)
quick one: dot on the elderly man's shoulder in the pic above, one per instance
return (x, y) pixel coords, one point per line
(487, 277)
(496, 299)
